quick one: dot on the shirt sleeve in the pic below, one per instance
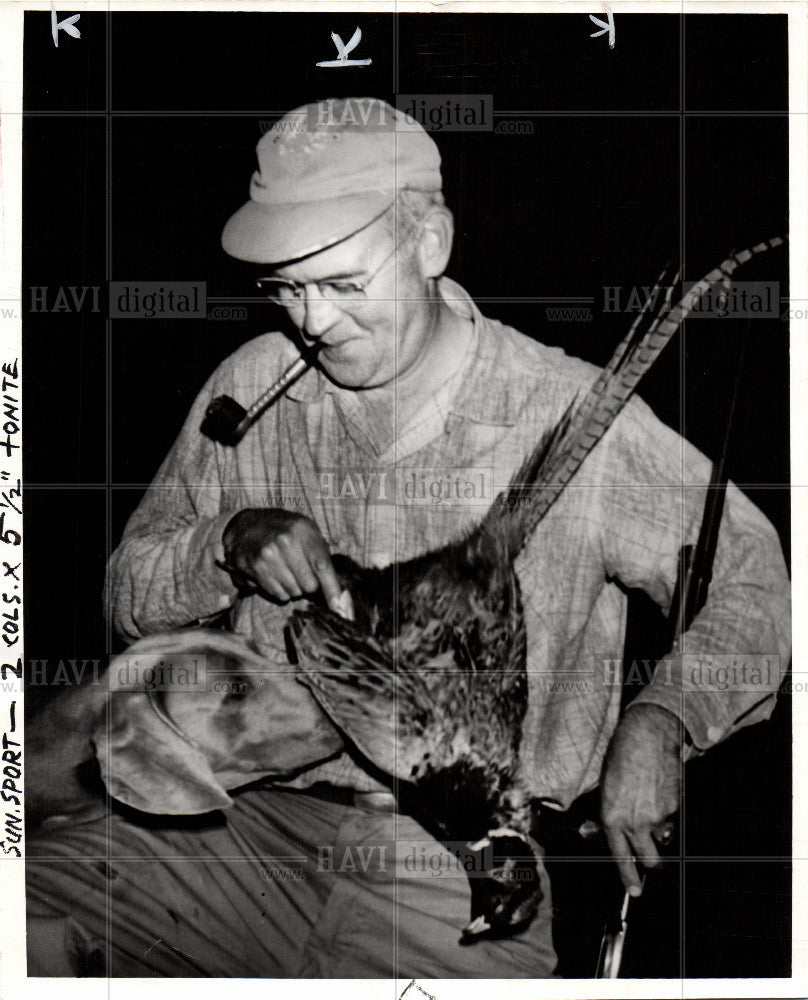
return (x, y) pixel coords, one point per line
(164, 575)
(724, 671)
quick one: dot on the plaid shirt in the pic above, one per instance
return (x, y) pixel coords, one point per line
(636, 501)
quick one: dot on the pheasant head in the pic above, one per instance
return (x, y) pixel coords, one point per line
(506, 894)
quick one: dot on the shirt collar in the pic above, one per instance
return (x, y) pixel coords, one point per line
(483, 397)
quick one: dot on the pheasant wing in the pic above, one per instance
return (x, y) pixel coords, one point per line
(391, 715)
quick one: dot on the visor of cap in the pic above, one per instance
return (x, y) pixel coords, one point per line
(270, 234)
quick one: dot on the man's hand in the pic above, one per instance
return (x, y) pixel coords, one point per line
(641, 787)
(281, 553)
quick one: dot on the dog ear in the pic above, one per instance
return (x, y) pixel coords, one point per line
(155, 746)
(148, 764)
(146, 761)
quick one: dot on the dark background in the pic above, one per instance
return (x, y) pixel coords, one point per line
(139, 143)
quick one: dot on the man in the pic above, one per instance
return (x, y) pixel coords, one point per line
(347, 223)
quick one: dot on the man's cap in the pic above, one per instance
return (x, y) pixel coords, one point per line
(325, 171)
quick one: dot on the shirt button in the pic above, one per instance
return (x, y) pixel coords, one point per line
(714, 734)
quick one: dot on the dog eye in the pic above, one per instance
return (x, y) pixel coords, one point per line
(236, 689)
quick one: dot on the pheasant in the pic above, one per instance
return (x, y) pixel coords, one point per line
(428, 681)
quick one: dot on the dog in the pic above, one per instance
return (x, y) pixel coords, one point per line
(179, 720)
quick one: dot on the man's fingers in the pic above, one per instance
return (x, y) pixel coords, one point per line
(632, 848)
(346, 606)
(624, 859)
(644, 848)
(294, 560)
(275, 576)
(329, 582)
(298, 564)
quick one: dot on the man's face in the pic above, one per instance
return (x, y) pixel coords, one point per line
(373, 338)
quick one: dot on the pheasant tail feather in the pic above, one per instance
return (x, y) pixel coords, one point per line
(549, 468)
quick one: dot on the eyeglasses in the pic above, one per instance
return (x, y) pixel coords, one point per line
(287, 293)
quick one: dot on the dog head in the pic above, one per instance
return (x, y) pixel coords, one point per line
(194, 713)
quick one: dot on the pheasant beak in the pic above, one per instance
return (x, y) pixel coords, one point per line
(477, 926)
(343, 605)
